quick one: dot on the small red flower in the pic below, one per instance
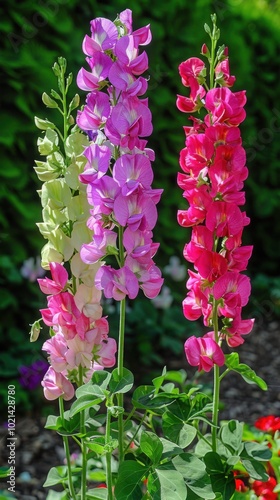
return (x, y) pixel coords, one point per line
(268, 424)
(264, 489)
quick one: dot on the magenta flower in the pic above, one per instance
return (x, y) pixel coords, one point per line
(56, 384)
(203, 352)
(213, 163)
(95, 112)
(58, 282)
(190, 69)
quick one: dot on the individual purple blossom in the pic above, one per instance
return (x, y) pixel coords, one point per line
(101, 245)
(95, 112)
(132, 172)
(100, 67)
(98, 163)
(117, 283)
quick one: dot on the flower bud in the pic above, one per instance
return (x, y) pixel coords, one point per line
(48, 101)
(43, 124)
(35, 331)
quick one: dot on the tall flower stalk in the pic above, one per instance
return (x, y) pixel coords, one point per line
(118, 171)
(213, 163)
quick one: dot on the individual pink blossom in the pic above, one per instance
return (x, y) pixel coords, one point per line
(107, 352)
(190, 69)
(56, 384)
(193, 102)
(79, 353)
(225, 106)
(223, 74)
(57, 349)
(58, 282)
(203, 352)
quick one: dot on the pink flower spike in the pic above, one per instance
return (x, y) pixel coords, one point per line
(203, 352)
(57, 284)
(55, 385)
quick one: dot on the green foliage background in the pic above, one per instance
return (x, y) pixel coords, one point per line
(35, 33)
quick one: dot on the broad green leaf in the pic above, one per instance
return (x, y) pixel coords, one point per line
(170, 449)
(231, 435)
(53, 422)
(142, 394)
(177, 431)
(84, 402)
(256, 470)
(130, 475)
(193, 471)
(56, 475)
(172, 485)
(221, 475)
(101, 378)
(97, 494)
(122, 384)
(158, 381)
(259, 452)
(56, 495)
(249, 375)
(90, 389)
(151, 445)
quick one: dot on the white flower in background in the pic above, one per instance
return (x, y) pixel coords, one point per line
(177, 271)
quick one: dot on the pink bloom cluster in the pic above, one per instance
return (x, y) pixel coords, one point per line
(118, 171)
(80, 334)
(213, 164)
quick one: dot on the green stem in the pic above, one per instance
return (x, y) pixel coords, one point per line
(121, 352)
(120, 374)
(216, 394)
(67, 452)
(136, 432)
(83, 444)
(108, 458)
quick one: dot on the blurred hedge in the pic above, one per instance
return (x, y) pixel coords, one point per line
(34, 34)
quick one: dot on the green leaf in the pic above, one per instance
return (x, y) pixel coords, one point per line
(170, 449)
(56, 475)
(142, 394)
(259, 452)
(53, 422)
(158, 381)
(151, 445)
(194, 472)
(101, 378)
(177, 431)
(249, 375)
(231, 435)
(255, 469)
(130, 475)
(56, 495)
(120, 385)
(221, 475)
(84, 402)
(172, 485)
(97, 494)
